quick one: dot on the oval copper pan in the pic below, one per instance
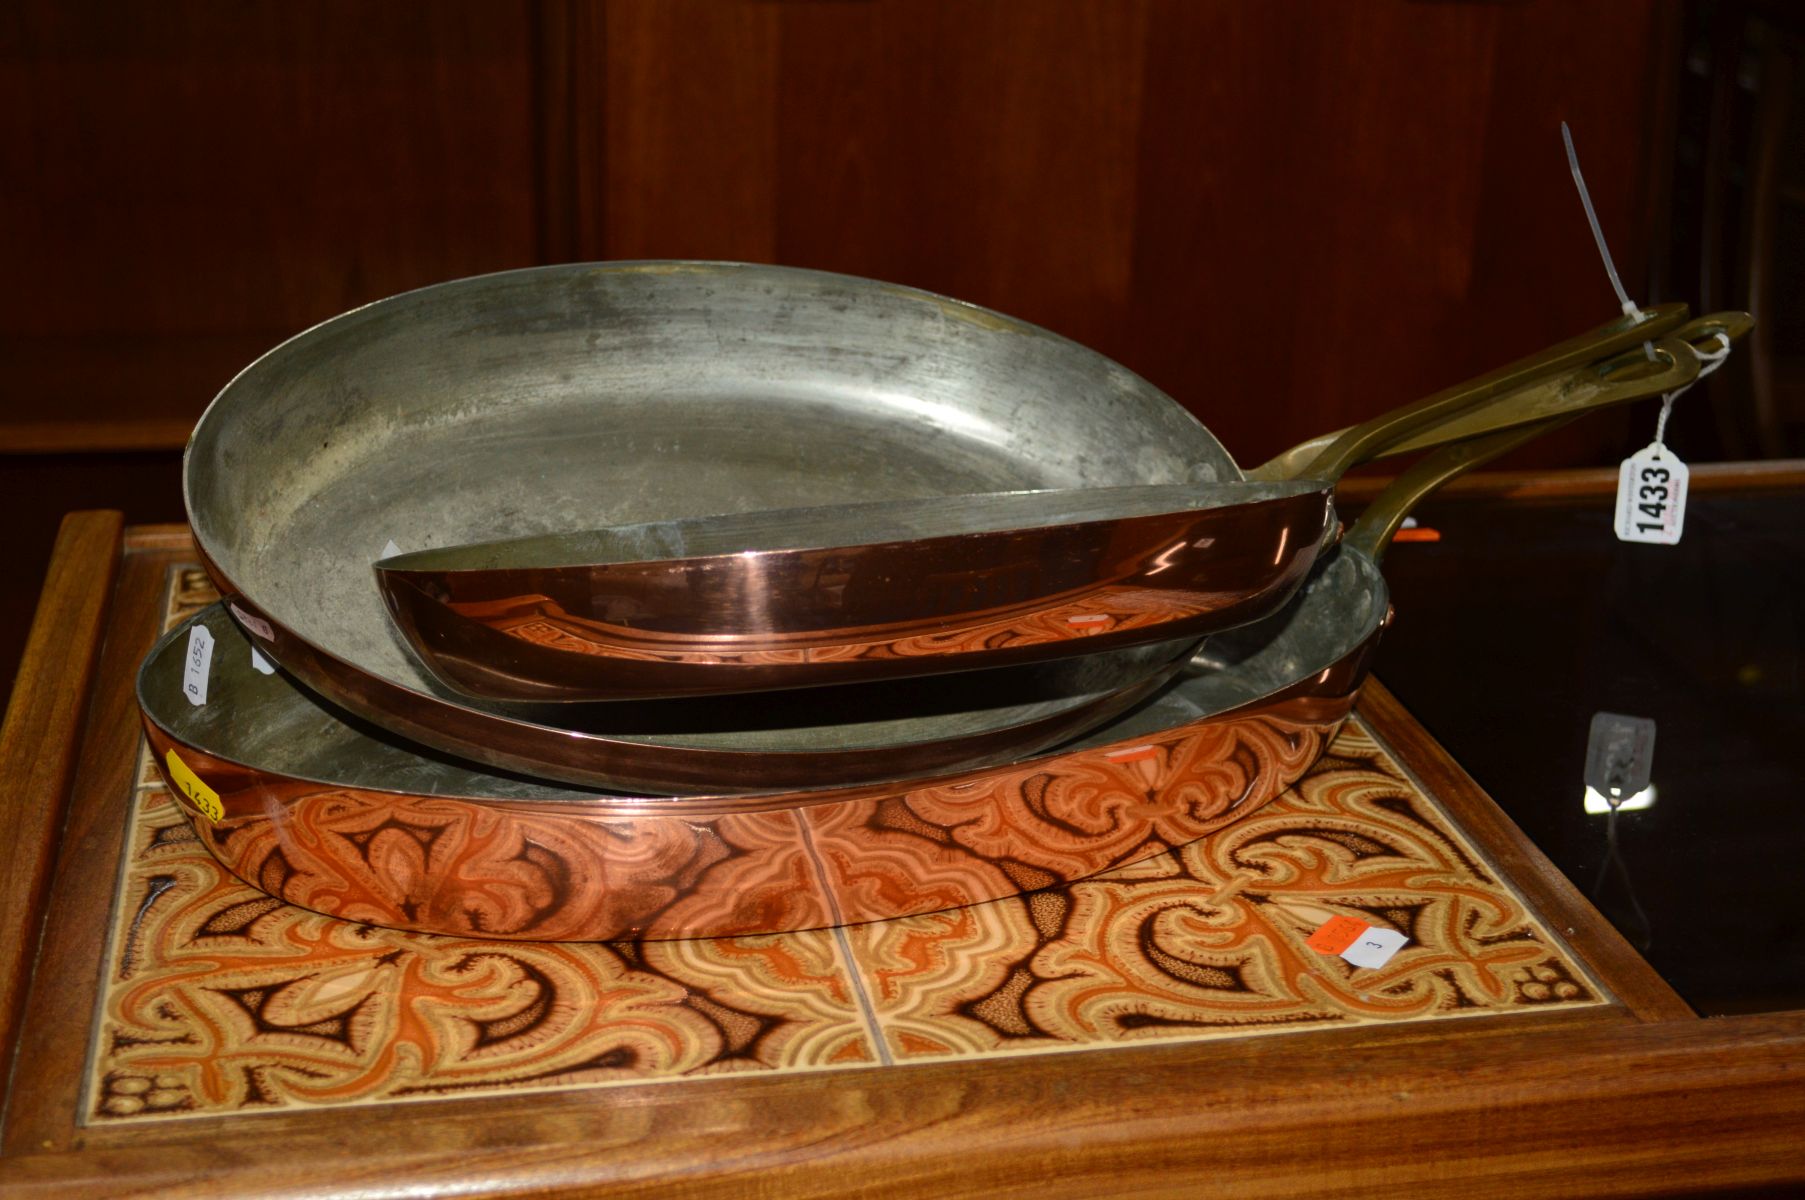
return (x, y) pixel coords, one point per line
(733, 745)
(810, 616)
(825, 595)
(445, 847)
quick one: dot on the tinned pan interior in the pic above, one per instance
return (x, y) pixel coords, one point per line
(563, 398)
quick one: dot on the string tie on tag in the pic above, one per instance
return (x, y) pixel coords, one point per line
(1651, 483)
(1713, 359)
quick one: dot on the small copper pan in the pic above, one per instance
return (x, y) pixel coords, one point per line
(893, 589)
(334, 816)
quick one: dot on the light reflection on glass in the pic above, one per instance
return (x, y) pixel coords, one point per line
(1597, 805)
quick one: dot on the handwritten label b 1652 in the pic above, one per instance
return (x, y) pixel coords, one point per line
(196, 664)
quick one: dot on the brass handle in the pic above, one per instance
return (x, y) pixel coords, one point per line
(1676, 364)
(1363, 440)
(1489, 416)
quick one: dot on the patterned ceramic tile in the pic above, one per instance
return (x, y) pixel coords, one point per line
(221, 1000)
(1210, 939)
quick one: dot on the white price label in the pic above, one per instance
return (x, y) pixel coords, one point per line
(1375, 947)
(260, 664)
(196, 665)
(390, 549)
(1355, 941)
(1651, 496)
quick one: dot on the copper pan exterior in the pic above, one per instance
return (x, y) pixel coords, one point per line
(1019, 712)
(650, 628)
(458, 851)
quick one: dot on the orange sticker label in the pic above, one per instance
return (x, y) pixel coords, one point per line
(193, 787)
(1336, 934)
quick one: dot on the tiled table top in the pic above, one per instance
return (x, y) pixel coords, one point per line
(220, 1000)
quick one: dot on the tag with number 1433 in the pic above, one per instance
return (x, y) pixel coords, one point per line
(1651, 496)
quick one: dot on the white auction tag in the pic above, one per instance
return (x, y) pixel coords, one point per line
(390, 549)
(1651, 496)
(198, 661)
(1375, 947)
(260, 664)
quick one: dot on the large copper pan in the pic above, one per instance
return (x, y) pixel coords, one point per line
(900, 589)
(568, 397)
(333, 816)
(565, 397)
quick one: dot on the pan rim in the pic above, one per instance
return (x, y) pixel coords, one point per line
(616, 802)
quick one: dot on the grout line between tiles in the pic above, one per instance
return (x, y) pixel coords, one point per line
(867, 1010)
(820, 868)
(873, 1028)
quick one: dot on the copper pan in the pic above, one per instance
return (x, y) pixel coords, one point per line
(830, 595)
(563, 398)
(567, 397)
(329, 814)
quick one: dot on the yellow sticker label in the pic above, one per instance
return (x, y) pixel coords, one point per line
(191, 786)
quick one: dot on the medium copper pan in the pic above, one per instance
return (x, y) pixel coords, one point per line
(341, 818)
(830, 595)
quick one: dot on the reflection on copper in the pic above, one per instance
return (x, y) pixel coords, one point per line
(592, 868)
(794, 618)
(524, 741)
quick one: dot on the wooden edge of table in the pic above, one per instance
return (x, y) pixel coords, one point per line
(1572, 1108)
(39, 738)
(52, 1044)
(1516, 858)
(159, 538)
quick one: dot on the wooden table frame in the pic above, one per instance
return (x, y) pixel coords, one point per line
(1639, 1098)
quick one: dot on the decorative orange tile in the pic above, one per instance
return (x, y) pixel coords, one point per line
(935, 847)
(1210, 939)
(220, 999)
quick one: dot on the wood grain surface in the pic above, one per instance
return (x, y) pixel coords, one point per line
(1285, 216)
(1574, 1109)
(51, 1037)
(39, 739)
(206, 179)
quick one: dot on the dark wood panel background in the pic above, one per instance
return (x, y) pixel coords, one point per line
(1286, 215)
